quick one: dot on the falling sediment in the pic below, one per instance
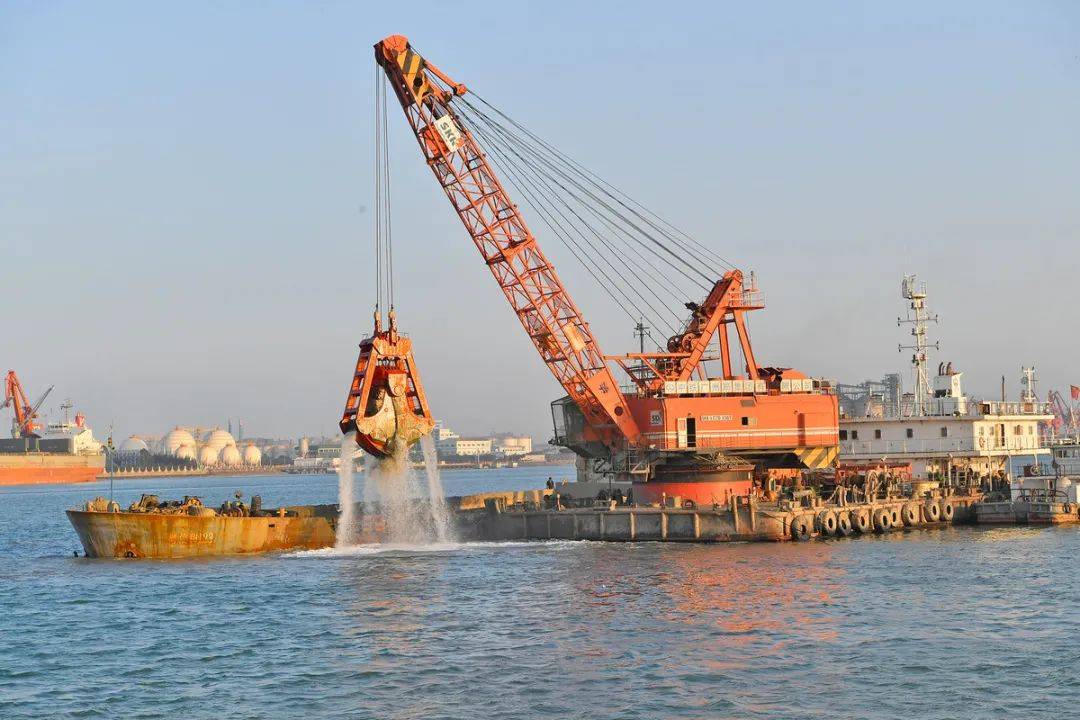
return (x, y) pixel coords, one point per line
(346, 527)
(413, 509)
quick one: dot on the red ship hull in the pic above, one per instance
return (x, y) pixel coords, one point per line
(48, 470)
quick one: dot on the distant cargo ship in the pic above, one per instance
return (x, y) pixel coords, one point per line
(64, 452)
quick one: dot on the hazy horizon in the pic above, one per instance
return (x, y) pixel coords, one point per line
(182, 217)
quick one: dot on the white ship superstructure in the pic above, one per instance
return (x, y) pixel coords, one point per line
(77, 431)
(941, 432)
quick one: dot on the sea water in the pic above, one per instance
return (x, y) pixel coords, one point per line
(952, 622)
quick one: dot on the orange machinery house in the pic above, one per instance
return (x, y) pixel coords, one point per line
(675, 430)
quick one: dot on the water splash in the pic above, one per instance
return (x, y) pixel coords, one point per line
(346, 527)
(413, 509)
(473, 546)
(440, 516)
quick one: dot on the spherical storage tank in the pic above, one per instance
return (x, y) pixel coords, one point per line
(133, 445)
(230, 456)
(208, 455)
(219, 439)
(252, 455)
(185, 452)
(176, 437)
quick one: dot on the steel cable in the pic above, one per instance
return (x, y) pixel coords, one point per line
(533, 192)
(601, 182)
(556, 174)
(502, 162)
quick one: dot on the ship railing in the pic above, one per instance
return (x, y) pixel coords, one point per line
(749, 440)
(1007, 407)
(1026, 444)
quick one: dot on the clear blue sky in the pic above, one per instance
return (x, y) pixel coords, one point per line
(180, 188)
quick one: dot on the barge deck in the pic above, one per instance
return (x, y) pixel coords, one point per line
(736, 522)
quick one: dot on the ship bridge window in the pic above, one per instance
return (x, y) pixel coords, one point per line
(1018, 430)
(944, 432)
(854, 434)
(843, 434)
(877, 434)
(910, 433)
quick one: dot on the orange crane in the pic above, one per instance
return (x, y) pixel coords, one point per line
(24, 423)
(675, 430)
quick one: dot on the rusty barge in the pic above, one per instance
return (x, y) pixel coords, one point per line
(186, 529)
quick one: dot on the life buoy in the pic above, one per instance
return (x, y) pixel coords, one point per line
(843, 524)
(802, 527)
(932, 511)
(882, 520)
(910, 514)
(982, 442)
(826, 521)
(947, 510)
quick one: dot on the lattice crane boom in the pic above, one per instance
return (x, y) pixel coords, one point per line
(528, 280)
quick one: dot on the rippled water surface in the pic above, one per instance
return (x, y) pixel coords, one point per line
(952, 623)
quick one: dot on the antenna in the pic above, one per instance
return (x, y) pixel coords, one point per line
(640, 331)
(917, 317)
(1028, 381)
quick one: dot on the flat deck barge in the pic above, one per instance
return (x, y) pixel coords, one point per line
(738, 521)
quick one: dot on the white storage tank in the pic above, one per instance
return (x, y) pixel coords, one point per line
(219, 439)
(252, 455)
(230, 456)
(175, 438)
(185, 452)
(134, 445)
(208, 455)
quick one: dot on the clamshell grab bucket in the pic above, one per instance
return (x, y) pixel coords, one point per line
(386, 407)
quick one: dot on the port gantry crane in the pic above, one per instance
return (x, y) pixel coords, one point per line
(674, 430)
(1065, 420)
(24, 424)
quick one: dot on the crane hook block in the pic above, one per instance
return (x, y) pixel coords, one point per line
(386, 407)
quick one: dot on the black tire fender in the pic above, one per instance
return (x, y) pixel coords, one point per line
(883, 520)
(802, 527)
